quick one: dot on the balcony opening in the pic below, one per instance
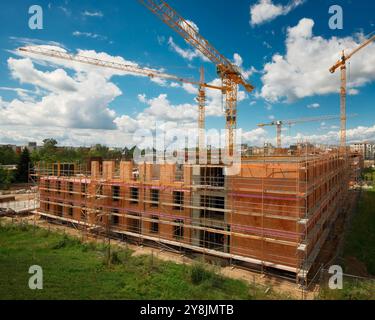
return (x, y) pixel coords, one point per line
(154, 198)
(155, 224)
(116, 193)
(178, 200)
(209, 204)
(178, 229)
(115, 219)
(134, 224)
(134, 195)
(212, 176)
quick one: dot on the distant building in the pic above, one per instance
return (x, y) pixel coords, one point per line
(31, 146)
(245, 150)
(269, 149)
(366, 149)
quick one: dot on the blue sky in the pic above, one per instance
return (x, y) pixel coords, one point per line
(286, 48)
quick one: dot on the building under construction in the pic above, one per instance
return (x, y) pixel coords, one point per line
(276, 213)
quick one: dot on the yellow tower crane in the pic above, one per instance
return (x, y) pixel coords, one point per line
(202, 114)
(36, 50)
(342, 65)
(227, 71)
(280, 123)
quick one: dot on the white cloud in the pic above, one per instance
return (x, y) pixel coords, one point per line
(268, 106)
(188, 87)
(80, 100)
(265, 10)
(93, 14)
(77, 97)
(3, 104)
(161, 109)
(161, 40)
(353, 92)
(89, 35)
(74, 137)
(142, 98)
(313, 106)
(267, 45)
(303, 70)
(188, 54)
(24, 94)
(24, 71)
(238, 61)
(126, 124)
(332, 137)
(65, 10)
(192, 24)
(255, 137)
(30, 41)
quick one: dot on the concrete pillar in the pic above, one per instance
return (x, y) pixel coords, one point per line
(167, 173)
(108, 169)
(187, 175)
(95, 169)
(126, 168)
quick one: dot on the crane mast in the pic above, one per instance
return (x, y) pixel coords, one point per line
(229, 73)
(343, 88)
(201, 111)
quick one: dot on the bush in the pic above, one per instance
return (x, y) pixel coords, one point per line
(90, 246)
(199, 273)
(115, 258)
(66, 242)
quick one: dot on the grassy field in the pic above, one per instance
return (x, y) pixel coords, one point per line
(352, 290)
(359, 254)
(360, 241)
(73, 270)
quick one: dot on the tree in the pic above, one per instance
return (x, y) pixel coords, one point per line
(99, 151)
(5, 178)
(22, 174)
(49, 143)
(7, 155)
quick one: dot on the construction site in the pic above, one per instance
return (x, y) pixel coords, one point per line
(275, 215)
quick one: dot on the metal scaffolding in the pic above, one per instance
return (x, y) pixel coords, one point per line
(275, 214)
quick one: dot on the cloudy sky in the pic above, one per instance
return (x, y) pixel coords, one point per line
(284, 48)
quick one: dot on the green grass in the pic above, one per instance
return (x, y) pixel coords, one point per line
(73, 270)
(360, 241)
(360, 247)
(352, 290)
(368, 175)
